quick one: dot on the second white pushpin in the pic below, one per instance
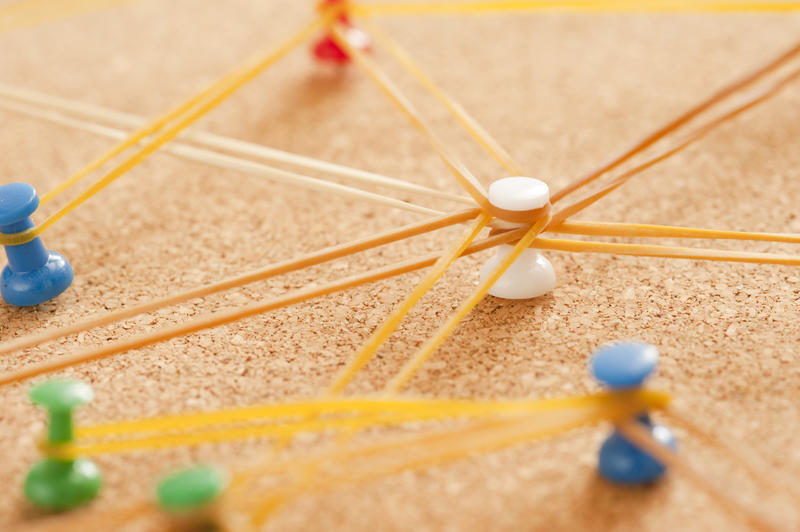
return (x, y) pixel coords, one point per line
(531, 275)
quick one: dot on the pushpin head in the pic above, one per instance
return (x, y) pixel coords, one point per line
(191, 489)
(519, 193)
(34, 275)
(62, 395)
(60, 398)
(54, 484)
(624, 365)
(17, 202)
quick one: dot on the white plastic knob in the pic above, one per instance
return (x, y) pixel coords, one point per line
(531, 275)
(519, 193)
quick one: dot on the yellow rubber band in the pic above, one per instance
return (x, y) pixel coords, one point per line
(470, 125)
(378, 460)
(28, 13)
(456, 167)
(595, 6)
(391, 323)
(426, 351)
(202, 103)
(286, 420)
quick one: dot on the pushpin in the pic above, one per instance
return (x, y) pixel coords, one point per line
(57, 483)
(625, 366)
(189, 495)
(34, 274)
(531, 275)
(326, 49)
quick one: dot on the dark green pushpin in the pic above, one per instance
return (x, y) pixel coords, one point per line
(60, 483)
(191, 490)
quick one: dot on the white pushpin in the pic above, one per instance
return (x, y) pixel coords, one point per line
(531, 275)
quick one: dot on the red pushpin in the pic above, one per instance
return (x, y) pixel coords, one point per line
(326, 49)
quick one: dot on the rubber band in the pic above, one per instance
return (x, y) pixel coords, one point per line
(26, 13)
(469, 123)
(665, 231)
(371, 414)
(468, 181)
(283, 430)
(365, 406)
(265, 511)
(690, 139)
(635, 433)
(592, 6)
(756, 471)
(521, 217)
(220, 160)
(666, 252)
(433, 449)
(681, 120)
(459, 445)
(221, 318)
(303, 261)
(427, 350)
(213, 98)
(390, 324)
(120, 120)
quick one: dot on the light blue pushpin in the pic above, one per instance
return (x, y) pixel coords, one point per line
(624, 366)
(34, 274)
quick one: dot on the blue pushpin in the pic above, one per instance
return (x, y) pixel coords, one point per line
(34, 274)
(624, 366)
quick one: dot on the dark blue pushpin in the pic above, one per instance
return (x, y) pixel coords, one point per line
(624, 366)
(34, 274)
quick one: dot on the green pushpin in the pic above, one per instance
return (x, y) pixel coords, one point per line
(191, 490)
(60, 483)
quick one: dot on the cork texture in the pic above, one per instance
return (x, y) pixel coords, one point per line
(562, 92)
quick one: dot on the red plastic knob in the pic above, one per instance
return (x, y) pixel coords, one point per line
(327, 50)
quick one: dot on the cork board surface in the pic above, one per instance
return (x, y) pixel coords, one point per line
(562, 93)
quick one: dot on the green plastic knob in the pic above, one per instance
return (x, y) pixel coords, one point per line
(191, 489)
(60, 399)
(54, 484)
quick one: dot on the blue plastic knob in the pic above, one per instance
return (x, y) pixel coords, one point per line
(17, 202)
(624, 365)
(34, 274)
(622, 462)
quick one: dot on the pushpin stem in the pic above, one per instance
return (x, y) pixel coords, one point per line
(60, 398)
(61, 429)
(24, 257)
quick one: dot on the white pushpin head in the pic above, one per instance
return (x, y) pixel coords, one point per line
(531, 275)
(519, 193)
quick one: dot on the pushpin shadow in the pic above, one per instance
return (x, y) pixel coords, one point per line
(623, 505)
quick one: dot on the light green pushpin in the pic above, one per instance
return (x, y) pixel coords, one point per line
(58, 483)
(191, 490)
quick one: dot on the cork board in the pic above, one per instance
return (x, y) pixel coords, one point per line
(562, 93)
